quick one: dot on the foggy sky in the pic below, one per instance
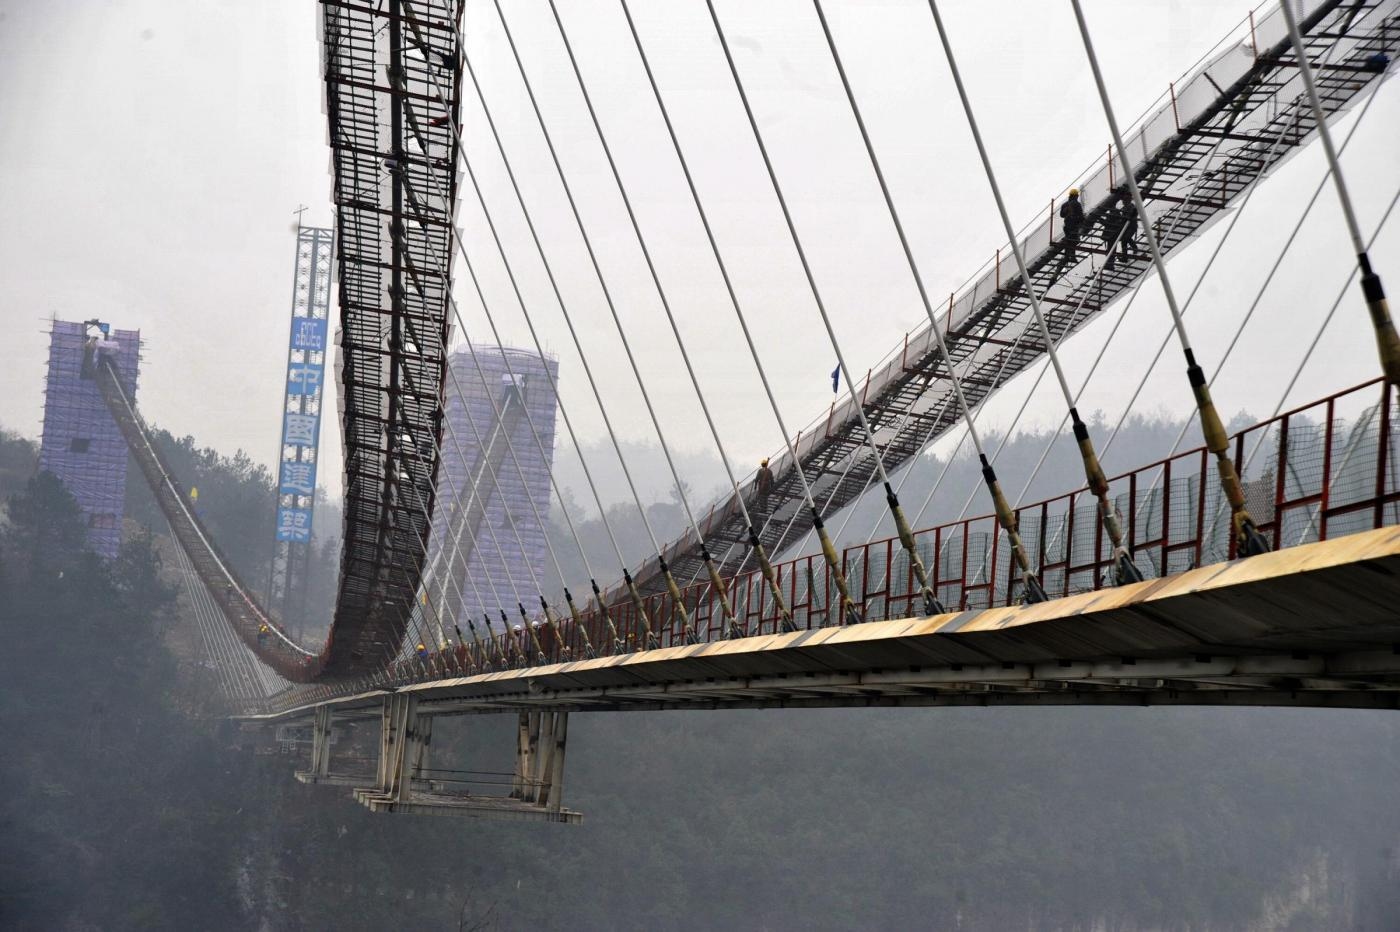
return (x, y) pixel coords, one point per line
(153, 153)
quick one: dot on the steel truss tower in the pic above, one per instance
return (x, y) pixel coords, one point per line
(307, 345)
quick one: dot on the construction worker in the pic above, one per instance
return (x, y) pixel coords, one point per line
(763, 484)
(1128, 216)
(1072, 215)
(262, 634)
(422, 651)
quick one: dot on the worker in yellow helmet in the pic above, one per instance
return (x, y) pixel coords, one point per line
(1072, 215)
(262, 634)
(422, 651)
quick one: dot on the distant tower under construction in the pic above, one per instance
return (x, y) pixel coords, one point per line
(486, 559)
(81, 443)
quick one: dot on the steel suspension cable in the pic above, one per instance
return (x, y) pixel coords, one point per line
(439, 264)
(479, 497)
(1185, 308)
(476, 492)
(1187, 202)
(756, 544)
(1248, 538)
(962, 438)
(1263, 288)
(633, 592)
(1387, 340)
(1312, 346)
(1126, 571)
(499, 414)
(931, 604)
(1278, 261)
(426, 604)
(715, 581)
(1098, 358)
(534, 336)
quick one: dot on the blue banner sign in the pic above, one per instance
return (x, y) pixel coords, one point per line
(307, 344)
(298, 479)
(309, 333)
(294, 524)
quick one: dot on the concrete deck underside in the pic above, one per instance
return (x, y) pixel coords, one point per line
(1315, 625)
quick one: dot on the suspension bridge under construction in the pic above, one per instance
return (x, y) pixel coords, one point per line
(1257, 568)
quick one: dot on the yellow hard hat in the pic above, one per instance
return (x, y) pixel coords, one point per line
(765, 461)
(1073, 192)
(421, 647)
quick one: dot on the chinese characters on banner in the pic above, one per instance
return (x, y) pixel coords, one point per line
(301, 427)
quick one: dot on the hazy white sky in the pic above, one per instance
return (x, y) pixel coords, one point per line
(153, 152)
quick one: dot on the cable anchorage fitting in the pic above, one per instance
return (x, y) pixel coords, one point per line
(849, 615)
(731, 625)
(648, 637)
(1387, 341)
(1125, 571)
(786, 624)
(1248, 541)
(607, 616)
(588, 652)
(932, 604)
(1035, 592)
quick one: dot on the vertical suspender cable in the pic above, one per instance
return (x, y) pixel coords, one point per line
(1387, 341)
(1247, 537)
(1125, 570)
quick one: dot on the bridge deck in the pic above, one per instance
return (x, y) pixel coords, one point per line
(1228, 123)
(1315, 625)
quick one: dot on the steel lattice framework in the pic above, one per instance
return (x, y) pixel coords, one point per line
(394, 157)
(1219, 130)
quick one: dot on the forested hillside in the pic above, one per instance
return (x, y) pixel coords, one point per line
(120, 812)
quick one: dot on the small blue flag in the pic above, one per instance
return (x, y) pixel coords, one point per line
(835, 379)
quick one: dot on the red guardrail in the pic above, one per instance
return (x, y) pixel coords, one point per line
(1322, 470)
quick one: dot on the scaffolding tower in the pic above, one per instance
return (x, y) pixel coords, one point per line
(298, 442)
(81, 444)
